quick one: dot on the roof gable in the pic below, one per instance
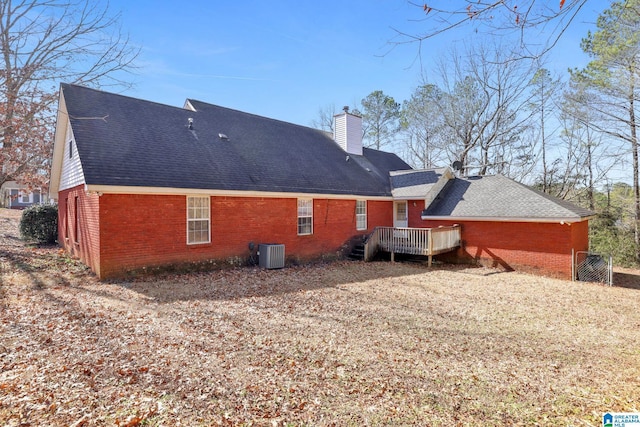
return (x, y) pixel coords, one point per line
(419, 184)
(125, 141)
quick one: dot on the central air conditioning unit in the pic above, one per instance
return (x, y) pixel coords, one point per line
(271, 255)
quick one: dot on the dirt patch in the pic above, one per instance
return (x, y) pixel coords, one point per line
(344, 344)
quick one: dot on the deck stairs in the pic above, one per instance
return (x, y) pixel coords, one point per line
(357, 248)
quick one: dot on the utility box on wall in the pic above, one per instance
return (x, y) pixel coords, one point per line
(271, 255)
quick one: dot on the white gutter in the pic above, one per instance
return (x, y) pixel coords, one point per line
(560, 220)
(117, 189)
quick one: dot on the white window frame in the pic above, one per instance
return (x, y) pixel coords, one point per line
(305, 213)
(361, 214)
(25, 197)
(200, 214)
(77, 226)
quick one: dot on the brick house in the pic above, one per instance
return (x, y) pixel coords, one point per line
(504, 223)
(141, 184)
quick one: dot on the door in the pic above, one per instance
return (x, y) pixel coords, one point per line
(400, 214)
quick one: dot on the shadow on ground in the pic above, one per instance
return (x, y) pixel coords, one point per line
(627, 279)
(254, 282)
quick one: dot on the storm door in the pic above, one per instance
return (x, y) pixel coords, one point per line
(400, 214)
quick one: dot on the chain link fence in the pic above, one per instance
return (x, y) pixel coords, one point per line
(593, 267)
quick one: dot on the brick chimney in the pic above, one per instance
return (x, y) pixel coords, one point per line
(347, 132)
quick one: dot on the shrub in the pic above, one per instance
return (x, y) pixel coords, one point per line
(40, 223)
(609, 237)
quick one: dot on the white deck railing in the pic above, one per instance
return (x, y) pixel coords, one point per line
(413, 241)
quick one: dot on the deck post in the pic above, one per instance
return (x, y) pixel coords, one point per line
(430, 246)
(393, 257)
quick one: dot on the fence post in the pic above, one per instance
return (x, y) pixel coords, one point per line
(610, 270)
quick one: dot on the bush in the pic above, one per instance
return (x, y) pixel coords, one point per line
(608, 237)
(40, 223)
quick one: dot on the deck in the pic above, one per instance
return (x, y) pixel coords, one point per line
(412, 241)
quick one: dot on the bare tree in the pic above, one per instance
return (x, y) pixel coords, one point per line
(614, 76)
(484, 109)
(324, 121)
(537, 24)
(544, 90)
(423, 127)
(43, 43)
(588, 159)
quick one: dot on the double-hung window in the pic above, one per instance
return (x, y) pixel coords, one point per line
(361, 214)
(305, 216)
(198, 220)
(77, 218)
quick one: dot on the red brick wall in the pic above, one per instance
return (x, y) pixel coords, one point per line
(78, 225)
(379, 214)
(138, 231)
(580, 236)
(414, 213)
(543, 248)
(117, 233)
(145, 230)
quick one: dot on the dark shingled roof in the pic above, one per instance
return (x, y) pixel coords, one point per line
(414, 184)
(500, 197)
(125, 141)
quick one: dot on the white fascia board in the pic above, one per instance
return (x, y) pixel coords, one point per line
(113, 189)
(568, 220)
(447, 175)
(403, 198)
(62, 121)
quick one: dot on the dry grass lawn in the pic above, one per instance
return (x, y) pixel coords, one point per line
(345, 344)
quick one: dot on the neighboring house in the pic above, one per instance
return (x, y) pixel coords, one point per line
(16, 196)
(142, 185)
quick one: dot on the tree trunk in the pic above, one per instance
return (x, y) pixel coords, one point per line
(545, 172)
(484, 160)
(634, 153)
(590, 196)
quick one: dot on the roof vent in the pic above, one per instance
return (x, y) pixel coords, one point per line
(190, 120)
(223, 137)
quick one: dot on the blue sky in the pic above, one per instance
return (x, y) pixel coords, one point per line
(286, 59)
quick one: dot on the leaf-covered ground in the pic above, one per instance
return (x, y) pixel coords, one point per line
(344, 344)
